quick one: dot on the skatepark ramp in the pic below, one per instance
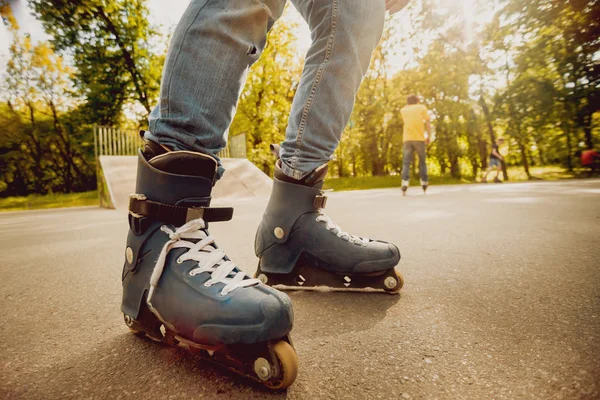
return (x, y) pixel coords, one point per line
(116, 180)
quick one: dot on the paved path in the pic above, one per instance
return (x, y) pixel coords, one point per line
(502, 300)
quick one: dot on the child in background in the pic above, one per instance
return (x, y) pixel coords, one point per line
(495, 161)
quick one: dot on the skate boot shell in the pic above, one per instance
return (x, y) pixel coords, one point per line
(424, 185)
(299, 246)
(404, 187)
(179, 288)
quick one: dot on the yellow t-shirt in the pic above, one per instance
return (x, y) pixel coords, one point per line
(414, 116)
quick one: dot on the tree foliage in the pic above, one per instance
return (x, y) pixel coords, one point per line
(266, 100)
(42, 146)
(110, 44)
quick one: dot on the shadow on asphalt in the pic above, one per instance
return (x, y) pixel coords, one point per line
(144, 369)
(136, 366)
(330, 313)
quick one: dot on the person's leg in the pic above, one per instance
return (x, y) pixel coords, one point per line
(188, 290)
(421, 152)
(212, 48)
(407, 156)
(296, 242)
(344, 34)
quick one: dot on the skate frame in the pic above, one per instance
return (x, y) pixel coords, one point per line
(308, 277)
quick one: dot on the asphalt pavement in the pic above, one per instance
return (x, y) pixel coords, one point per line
(501, 301)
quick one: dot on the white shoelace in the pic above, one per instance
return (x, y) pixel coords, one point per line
(335, 229)
(209, 258)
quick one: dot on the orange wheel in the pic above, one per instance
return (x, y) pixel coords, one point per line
(399, 284)
(133, 326)
(288, 364)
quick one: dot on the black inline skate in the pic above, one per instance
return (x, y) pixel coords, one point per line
(299, 246)
(179, 288)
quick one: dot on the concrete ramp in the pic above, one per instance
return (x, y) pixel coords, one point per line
(116, 180)
(242, 179)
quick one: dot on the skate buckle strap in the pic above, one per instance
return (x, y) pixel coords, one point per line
(140, 206)
(320, 201)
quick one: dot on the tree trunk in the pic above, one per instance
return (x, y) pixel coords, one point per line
(483, 153)
(454, 167)
(532, 162)
(136, 77)
(569, 159)
(504, 170)
(587, 129)
(540, 150)
(488, 118)
(36, 149)
(475, 166)
(524, 159)
(64, 150)
(340, 163)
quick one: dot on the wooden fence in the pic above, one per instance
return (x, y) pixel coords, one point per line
(111, 141)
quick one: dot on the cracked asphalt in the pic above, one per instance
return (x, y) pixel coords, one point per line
(501, 301)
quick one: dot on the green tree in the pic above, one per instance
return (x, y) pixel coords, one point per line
(266, 100)
(39, 153)
(110, 44)
(372, 141)
(555, 59)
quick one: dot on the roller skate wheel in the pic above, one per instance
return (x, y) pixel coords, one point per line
(398, 283)
(288, 361)
(263, 278)
(131, 324)
(390, 282)
(128, 320)
(262, 369)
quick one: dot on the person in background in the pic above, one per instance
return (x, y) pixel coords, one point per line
(416, 123)
(590, 158)
(495, 162)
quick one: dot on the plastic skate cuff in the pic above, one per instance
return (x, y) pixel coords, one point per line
(140, 206)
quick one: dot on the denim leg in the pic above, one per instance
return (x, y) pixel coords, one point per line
(420, 148)
(407, 155)
(344, 34)
(212, 48)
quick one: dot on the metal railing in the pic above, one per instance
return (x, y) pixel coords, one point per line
(112, 141)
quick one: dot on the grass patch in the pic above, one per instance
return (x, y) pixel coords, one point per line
(36, 202)
(548, 173)
(516, 174)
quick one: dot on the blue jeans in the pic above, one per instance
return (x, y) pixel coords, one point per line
(217, 41)
(411, 146)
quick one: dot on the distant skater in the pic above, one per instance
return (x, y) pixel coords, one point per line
(495, 162)
(416, 122)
